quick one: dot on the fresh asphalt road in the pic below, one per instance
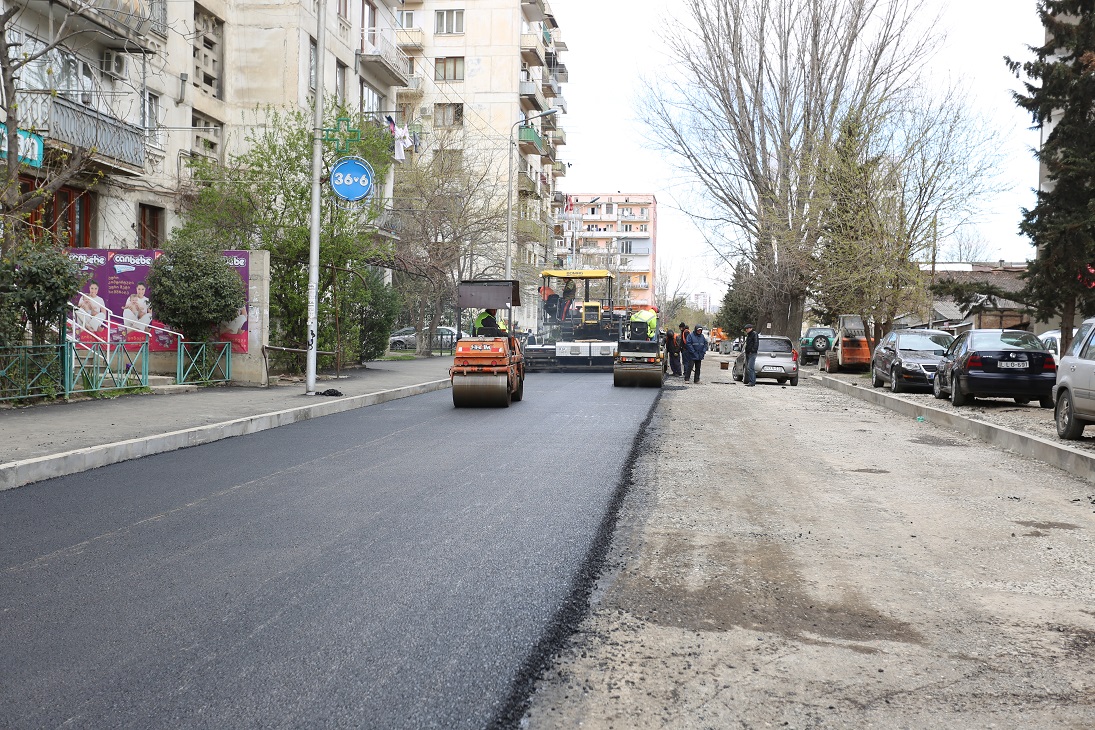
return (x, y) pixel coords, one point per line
(397, 566)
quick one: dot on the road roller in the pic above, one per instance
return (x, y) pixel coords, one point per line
(640, 361)
(488, 368)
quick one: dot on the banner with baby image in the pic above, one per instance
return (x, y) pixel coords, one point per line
(113, 305)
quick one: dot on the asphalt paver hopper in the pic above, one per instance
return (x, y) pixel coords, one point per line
(640, 360)
(488, 368)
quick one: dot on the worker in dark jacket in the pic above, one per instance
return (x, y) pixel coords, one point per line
(673, 352)
(696, 346)
(685, 357)
(752, 344)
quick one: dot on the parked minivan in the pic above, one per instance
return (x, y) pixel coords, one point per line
(1074, 393)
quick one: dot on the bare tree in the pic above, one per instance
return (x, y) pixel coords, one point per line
(453, 212)
(965, 245)
(672, 296)
(762, 88)
(916, 167)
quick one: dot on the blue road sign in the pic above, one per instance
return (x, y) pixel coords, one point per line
(352, 178)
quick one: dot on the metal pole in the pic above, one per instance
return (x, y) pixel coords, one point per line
(317, 169)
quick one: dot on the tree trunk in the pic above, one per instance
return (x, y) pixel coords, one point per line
(1068, 319)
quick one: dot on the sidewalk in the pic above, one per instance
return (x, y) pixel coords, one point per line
(55, 439)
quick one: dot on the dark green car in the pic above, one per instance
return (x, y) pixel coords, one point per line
(816, 342)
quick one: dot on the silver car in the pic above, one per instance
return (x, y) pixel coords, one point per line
(776, 359)
(1074, 393)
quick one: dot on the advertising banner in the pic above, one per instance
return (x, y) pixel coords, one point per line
(113, 305)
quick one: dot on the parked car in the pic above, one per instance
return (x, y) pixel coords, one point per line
(816, 342)
(1074, 392)
(442, 338)
(402, 339)
(1052, 341)
(776, 358)
(908, 358)
(996, 364)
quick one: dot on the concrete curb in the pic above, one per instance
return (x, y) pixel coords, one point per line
(1075, 462)
(19, 473)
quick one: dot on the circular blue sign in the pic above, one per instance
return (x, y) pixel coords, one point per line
(352, 178)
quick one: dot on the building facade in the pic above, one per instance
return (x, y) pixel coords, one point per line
(148, 85)
(618, 232)
(478, 70)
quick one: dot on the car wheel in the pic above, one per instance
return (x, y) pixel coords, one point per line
(876, 379)
(937, 387)
(896, 386)
(520, 392)
(1046, 402)
(832, 365)
(958, 398)
(781, 381)
(1065, 417)
(399, 345)
(1022, 401)
(821, 343)
(739, 376)
(794, 380)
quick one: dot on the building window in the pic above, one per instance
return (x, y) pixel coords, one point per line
(448, 115)
(152, 119)
(448, 69)
(150, 219)
(642, 227)
(448, 21)
(627, 228)
(67, 214)
(371, 99)
(313, 58)
(404, 18)
(593, 210)
(208, 48)
(343, 9)
(608, 208)
(207, 136)
(340, 82)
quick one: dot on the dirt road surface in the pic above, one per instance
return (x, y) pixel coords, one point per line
(791, 557)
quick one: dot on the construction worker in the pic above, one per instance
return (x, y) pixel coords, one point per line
(649, 315)
(487, 324)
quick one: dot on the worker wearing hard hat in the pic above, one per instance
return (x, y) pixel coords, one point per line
(649, 315)
(487, 324)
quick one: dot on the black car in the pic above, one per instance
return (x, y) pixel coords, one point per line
(996, 364)
(908, 358)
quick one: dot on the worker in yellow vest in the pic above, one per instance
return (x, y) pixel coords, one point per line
(649, 315)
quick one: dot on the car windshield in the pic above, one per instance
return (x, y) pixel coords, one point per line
(1005, 341)
(778, 345)
(936, 343)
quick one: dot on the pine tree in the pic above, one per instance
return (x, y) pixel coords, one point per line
(1060, 95)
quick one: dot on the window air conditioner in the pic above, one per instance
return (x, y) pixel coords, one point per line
(112, 63)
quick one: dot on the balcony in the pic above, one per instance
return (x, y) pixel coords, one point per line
(413, 89)
(561, 73)
(530, 230)
(126, 22)
(379, 57)
(636, 285)
(533, 10)
(551, 87)
(409, 38)
(557, 38)
(117, 144)
(560, 103)
(532, 49)
(526, 183)
(531, 98)
(548, 155)
(529, 140)
(549, 122)
(558, 137)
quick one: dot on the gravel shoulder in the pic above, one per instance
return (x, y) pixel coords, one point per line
(794, 557)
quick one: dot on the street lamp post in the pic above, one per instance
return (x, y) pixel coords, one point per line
(509, 189)
(314, 218)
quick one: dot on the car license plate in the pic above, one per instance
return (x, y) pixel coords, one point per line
(1014, 365)
(772, 369)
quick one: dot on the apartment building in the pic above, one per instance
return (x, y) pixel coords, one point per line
(150, 83)
(478, 68)
(618, 232)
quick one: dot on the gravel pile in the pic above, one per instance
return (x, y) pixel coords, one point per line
(1031, 418)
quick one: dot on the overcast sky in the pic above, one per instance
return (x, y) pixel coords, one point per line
(614, 42)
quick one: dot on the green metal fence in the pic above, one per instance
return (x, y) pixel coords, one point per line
(51, 371)
(32, 371)
(204, 362)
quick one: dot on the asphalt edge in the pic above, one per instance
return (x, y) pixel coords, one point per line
(1075, 462)
(28, 471)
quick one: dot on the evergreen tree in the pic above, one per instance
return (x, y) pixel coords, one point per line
(1060, 95)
